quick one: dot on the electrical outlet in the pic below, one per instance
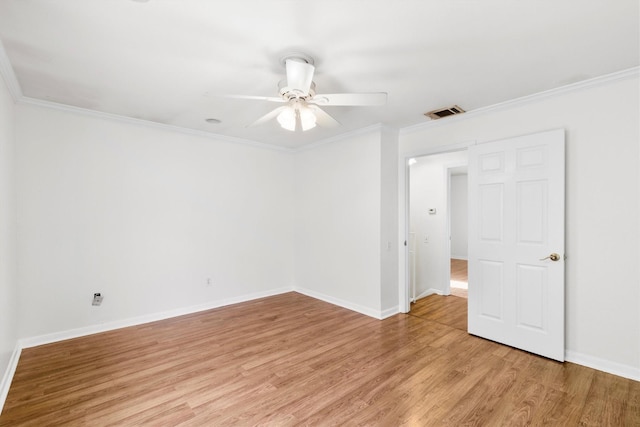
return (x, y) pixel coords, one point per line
(97, 299)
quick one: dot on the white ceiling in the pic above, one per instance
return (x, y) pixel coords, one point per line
(155, 60)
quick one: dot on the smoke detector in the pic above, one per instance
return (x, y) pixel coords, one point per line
(444, 112)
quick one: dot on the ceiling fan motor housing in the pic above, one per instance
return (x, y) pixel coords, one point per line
(288, 93)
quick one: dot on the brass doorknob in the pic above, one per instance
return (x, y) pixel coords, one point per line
(553, 257)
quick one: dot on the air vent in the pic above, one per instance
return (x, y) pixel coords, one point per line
(444, 112)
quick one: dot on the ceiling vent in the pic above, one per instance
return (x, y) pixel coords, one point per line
(444, 112)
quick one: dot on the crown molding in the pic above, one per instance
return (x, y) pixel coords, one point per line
(529, 99)
(218, 137)
(341, 137)
(9, 77)
(7, 73)
(146, 123)
(13, 86)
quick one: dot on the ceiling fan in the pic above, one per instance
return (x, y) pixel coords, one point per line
(302, 103)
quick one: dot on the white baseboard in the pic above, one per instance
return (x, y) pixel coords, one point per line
(428, 292)
(614, 368)
(376, 314)
(139, 320)
(8, 375)
(626, 371)
(462, 257)
(389, 312)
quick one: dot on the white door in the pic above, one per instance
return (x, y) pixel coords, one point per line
(516, 242)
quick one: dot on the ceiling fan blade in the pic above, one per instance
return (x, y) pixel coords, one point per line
(270, 115)
(323, 118)
(299, 76)
(364, 99)
(258, 98)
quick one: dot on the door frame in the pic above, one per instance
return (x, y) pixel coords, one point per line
(404, 295)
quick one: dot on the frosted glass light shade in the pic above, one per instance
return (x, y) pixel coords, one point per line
(307, 119)
(287, 119)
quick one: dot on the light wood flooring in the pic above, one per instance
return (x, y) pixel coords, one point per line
(442, 309)
(292, 360)
(459, 275)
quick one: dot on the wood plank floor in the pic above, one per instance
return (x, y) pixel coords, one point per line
(293, 360)
(448, 310)
(459, 270)
(459, 274)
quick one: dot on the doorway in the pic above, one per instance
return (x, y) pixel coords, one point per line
(516, 241)
(437, 214)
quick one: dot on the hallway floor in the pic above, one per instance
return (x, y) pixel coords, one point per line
(459, 277)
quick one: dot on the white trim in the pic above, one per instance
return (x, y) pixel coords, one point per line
(405, 289)
(147, 123)
(9, 77)
(613, 368)
(440, 149)
(376, 314)
(528, 99)
(109, 326)
(428, 292)
(389, 312)
(341, 137)
(404, 179)
(8, 375)
(626, 371)
(464, 258)
(172, 128)
(13, 85)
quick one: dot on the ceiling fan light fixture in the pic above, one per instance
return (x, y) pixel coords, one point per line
(302, 110)
(287, 119)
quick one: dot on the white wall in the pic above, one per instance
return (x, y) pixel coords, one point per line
(346, 240)
(337, 237)
(602, 207)
(146, 215)
(459, 217)
(143, 216)
(428, 190)
(8, 276)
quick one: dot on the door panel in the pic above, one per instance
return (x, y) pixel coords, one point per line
(491, 208)
(516, 218)
(531, 294)
(491, 286)
(532, 212)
